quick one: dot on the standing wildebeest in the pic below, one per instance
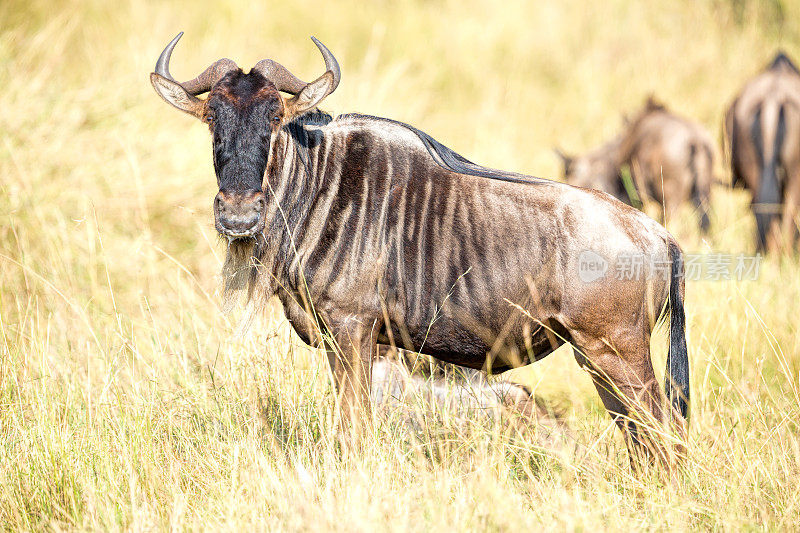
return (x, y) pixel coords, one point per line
(371, 232)
(670, 161)
(763, 130)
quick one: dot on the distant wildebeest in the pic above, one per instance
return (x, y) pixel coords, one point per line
(371, 232)
(670, 161)
(762, 127)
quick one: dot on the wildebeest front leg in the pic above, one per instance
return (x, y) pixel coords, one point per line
(350, 351)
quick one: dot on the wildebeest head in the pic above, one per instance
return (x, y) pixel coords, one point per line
(243, 111)
(598, 169)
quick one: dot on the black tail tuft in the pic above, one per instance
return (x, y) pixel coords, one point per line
(677, 380)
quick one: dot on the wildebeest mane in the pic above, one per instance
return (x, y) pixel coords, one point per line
(299, 135)
(312, 118)
(296, 128)
(782, 60)
(451, 160)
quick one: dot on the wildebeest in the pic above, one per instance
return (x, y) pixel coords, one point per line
(670, 160)
(371, 232)
(762, 126)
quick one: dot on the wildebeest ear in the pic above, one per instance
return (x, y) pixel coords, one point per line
(175, 95)
(311, 95)
(566, 159)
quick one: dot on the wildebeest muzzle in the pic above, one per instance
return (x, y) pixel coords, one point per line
(239, 214)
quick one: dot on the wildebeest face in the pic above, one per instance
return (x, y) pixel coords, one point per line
(242, 111)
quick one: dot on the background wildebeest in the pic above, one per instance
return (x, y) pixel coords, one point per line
(762, 127)
(670, 160)
(371, 232)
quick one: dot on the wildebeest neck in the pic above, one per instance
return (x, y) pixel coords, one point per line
(289, 188)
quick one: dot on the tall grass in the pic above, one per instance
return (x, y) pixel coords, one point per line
(126, 399)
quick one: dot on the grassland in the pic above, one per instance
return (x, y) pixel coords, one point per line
(128, 401)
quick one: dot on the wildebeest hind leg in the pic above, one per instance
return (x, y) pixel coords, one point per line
(626, 383)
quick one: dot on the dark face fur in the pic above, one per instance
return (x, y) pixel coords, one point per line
(242, 111)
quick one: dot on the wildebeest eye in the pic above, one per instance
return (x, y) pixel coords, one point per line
(276, 119)
(208, 119)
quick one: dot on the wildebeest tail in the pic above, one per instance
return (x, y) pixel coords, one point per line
(768, 131)
(700, 166)
(677, 375)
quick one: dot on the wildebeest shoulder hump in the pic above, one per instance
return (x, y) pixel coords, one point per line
(451, 160)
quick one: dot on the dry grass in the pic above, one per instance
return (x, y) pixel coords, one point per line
(127, 402)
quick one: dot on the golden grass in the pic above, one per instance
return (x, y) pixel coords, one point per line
(127, 402)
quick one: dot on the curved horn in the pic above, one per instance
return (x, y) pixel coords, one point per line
(287, 82)
(279, 75)
(201, 83)
(162, 65)
(330, 64)
(205, 81)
